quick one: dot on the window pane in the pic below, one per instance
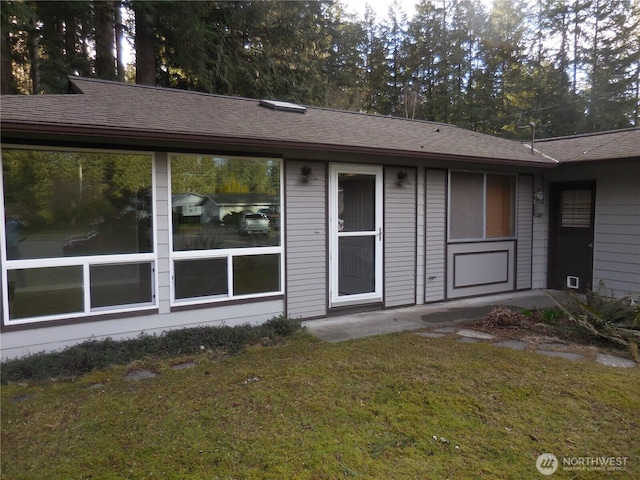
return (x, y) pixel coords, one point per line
(356, 265)
(575, 210)
(256, 274)
(356, 202)
(45, 291)
(76, 203)
(120, 284)
(466, 204)
(201, 278)
(500, 205)
(224, 202)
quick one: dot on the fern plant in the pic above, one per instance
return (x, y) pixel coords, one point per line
(614, 319)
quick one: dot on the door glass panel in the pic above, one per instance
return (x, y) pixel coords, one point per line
(575, 209)
(356, 265)
(356, 202)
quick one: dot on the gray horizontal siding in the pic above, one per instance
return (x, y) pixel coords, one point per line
(435, 235)
(616, 255)
(399, 238)
(162, 219)
(524, 231)
(306, 241)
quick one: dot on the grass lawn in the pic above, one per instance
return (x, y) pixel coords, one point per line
(391, 407)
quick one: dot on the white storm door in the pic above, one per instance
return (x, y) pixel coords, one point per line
(356, 235)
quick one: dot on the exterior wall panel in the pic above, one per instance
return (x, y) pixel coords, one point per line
(616, 255)
(306, 241)
(524, 232)
(399, 238)
(539, 250)
(162, 242)
(420, 241)
(480, 268)
(435, 235)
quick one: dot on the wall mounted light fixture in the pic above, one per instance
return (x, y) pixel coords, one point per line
(305, 171)
(538, 203)
(402, 176)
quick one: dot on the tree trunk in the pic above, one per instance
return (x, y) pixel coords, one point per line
(145, 46)
(6, 68)
(105, 33)
(32, 46)
(120, 68)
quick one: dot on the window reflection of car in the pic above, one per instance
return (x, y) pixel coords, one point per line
(273, 215)
(254, 224)
(80, 244)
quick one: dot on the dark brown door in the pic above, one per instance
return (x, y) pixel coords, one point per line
(572, 209)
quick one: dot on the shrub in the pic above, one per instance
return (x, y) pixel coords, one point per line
(98, 354)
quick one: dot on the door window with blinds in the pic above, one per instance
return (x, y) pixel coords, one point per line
(481, 206)
(575, 209)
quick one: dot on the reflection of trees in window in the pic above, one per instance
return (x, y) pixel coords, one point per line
(74, 187)
(81, 193)
(204, 174)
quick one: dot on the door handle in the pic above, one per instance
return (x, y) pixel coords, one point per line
(380, 233)
(590, 245)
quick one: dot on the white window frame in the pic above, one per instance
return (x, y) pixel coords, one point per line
(228, 253)
(484, 237)
(84, 261)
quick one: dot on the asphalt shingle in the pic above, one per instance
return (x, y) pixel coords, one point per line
(135, 110)
(138, 109)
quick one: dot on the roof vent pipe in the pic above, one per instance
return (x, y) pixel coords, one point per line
(532, 126)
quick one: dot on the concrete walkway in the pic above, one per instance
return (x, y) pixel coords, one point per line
(450, 318)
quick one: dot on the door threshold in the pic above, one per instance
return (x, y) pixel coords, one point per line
(349, 309)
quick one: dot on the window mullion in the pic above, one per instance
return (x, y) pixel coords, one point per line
(230, 275)
(86, 287)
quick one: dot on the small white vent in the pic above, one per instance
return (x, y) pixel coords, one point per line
(283, 106)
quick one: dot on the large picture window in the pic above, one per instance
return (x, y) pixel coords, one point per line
(226, 227)
(481, 206)
(77, 233)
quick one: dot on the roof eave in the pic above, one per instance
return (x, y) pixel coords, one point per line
(103, 132)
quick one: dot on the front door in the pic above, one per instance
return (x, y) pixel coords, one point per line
(571, 226)
(355, 226)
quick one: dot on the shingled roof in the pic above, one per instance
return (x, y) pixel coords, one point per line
(119, 110)
(593, 147)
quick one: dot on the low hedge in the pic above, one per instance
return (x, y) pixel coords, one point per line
(99, 354)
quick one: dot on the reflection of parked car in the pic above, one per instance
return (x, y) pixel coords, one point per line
(254, 224)
(80, 244)
(273, 214)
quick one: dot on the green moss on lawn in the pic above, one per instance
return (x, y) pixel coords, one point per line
(363, 409)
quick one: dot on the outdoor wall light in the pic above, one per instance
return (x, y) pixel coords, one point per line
(305, 171)
(538, 203)
(402, 176)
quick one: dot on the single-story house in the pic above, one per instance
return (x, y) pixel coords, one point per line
(375, 212)
(215, 206)
(187, 206)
